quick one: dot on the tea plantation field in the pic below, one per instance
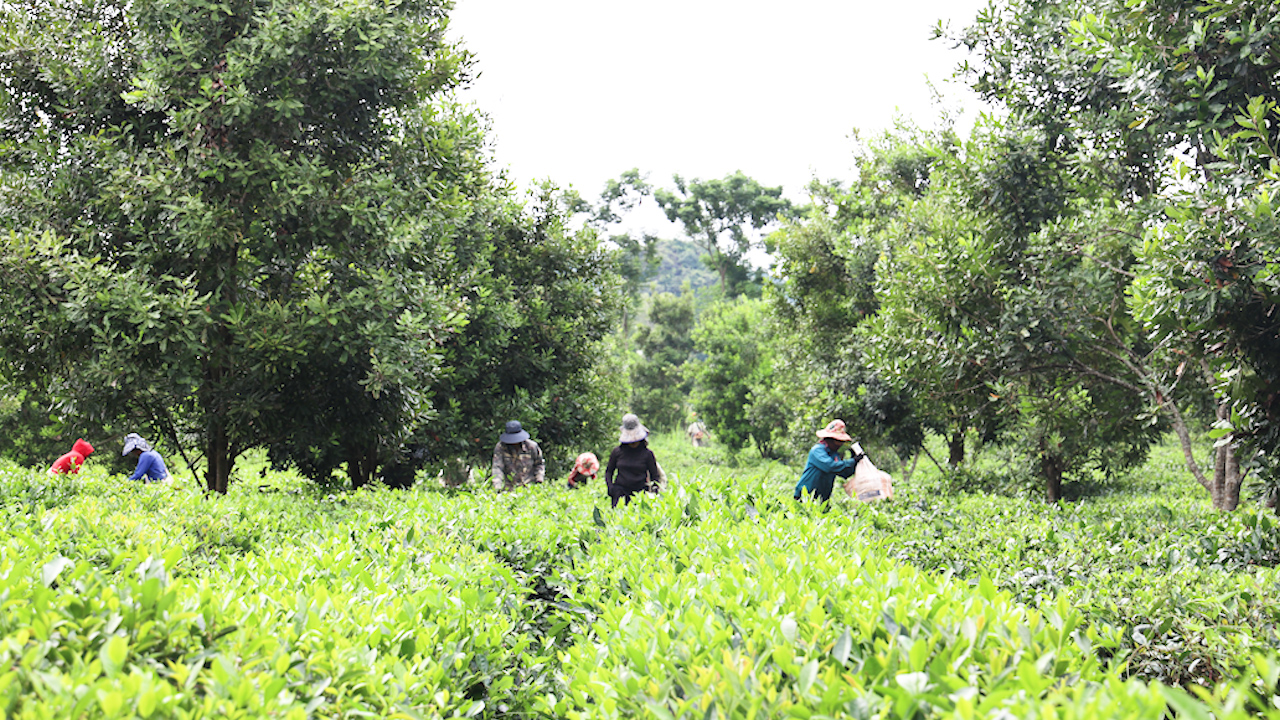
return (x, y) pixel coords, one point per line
(721, 598)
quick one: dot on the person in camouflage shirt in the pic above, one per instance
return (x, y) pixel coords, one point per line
(517, 460)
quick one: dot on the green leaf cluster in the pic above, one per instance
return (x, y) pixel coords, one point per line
(721, 596)
(243, 224)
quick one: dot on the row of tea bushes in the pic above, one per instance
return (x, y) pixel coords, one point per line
(1198, 591)
(129, 601)
(791, 612)
(721, 598)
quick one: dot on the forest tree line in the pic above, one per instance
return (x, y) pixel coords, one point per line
(1090, 269)
(241, 226)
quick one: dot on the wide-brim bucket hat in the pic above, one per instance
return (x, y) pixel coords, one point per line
(513, 433)
(835, 430)
(632, 430)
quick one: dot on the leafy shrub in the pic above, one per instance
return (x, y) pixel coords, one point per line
(721, 597)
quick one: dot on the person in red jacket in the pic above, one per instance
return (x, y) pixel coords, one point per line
(71, 462)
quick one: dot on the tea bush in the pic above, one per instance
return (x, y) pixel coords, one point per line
(1194, 590)
(720, 598)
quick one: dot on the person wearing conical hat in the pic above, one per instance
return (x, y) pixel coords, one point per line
(69, 464)
(517, 459)
(825, 464)
(632, 466)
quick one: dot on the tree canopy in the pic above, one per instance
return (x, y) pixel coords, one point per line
(719, 214)
(1173, 102)
(252, 224)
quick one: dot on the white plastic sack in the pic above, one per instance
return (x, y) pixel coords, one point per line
(869, 483)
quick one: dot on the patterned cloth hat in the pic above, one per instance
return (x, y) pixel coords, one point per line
(587, 464)
(835, 430)
(134, 441)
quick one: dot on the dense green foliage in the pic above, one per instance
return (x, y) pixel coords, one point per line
(196, 227)
(1141, 552)
(249, 224)
(1089, 267)
(660, 387)
(721, 597)
(1003, 302)
(1170, 108)
(718, 215)
(679, 266)
(734, 366)
(541, 299)
(825, 290)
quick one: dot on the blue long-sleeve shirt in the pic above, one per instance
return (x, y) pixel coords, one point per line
(150, 466)
(820, 471)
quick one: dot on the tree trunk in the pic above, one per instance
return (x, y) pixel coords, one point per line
(1219, 474)
(218, 456)
(360, 468)
(1232, 481)
(955, 447)
(218, 370)
(1051, 467)
(906, 476)
(1184, 439)
(1225, 486)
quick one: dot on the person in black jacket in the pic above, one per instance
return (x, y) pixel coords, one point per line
(632, 467)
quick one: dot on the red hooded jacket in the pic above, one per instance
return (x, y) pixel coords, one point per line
(71, 462)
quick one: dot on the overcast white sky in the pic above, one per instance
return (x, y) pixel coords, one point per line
(580, 90)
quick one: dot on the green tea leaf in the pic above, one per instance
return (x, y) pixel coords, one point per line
(916, 682)
(808, 674)
(788, 627)
(53, 569)
(844, 644)
(1187, 706)
(113, 655)
(111, 702)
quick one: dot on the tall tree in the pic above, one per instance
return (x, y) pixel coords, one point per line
(1008, 299)
(735, 359)
(827, 260)
(540, 300)
(1125, 89)
(635, 254)
(236, 214)
(660, 386)
(718, 214)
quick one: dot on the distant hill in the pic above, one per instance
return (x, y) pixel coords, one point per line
(681, 263)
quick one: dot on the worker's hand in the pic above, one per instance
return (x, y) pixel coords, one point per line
(857, 449)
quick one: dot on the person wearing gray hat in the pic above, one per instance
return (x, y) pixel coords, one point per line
(632, 466)
(517, 459)
(151, 467)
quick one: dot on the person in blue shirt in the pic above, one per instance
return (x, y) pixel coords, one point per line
(825, 464)
(150, 464)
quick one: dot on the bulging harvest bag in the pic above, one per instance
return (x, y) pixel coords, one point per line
(869, 483)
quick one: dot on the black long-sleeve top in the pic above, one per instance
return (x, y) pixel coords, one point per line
(633, 466)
